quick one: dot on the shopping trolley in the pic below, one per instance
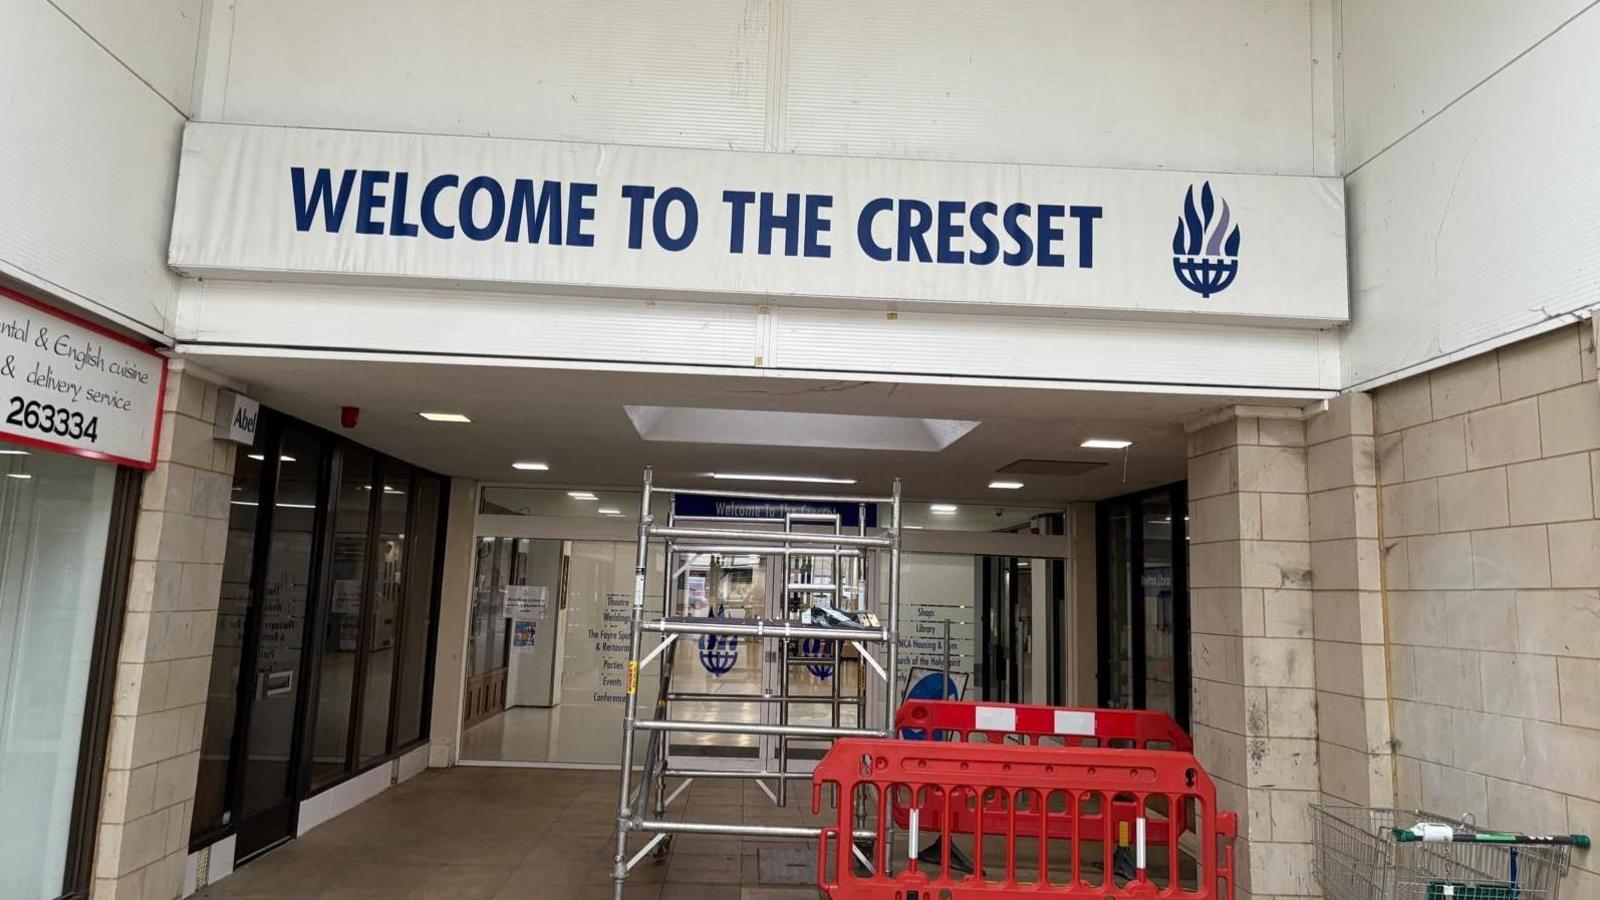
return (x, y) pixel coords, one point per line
(1366, 853)
(1026, 785)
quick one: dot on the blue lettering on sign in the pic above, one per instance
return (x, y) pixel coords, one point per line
(543, 215)
(950, 232)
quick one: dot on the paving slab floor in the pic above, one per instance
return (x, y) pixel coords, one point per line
(516, 834)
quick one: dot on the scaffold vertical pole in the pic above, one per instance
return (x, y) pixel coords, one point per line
(893, 650)
(619, 871)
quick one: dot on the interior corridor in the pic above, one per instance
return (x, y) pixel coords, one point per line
(474, 833)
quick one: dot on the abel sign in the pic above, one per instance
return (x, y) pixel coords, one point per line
(559, 217)
(71, 386)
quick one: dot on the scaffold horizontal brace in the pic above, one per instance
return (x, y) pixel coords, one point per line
(734, 773)
(762, 628)
(781, 537)
(746, 550)
(763, 495)
(800, 731)
(793, 700)
(800, 832)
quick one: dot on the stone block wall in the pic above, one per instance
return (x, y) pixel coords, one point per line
(1290, 671)
(164, 663)
(1254, 653)
(1489, 474)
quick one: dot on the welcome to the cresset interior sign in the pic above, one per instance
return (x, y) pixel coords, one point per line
(548, 216)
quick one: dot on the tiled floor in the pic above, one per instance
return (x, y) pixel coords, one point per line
(510, 834)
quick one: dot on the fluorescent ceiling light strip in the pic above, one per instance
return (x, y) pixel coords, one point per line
(1005, 485)
(582, 495)
(800, 479)
(278, 505)
(943, 509)
(1106, 444)
(531, 466)
(444, 417)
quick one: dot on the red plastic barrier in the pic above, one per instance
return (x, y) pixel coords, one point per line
(1015, 723)
(1026, 782)
(1030, 725)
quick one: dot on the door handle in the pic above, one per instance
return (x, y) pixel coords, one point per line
(274, 684)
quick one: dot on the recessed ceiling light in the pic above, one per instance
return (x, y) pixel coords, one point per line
(608, 511)
(444, 417)
(1105, 444)
(582, 495)
(802, 479)
(22, 475)
(1005, 485)
(260, 458)
(943, 509)
(531, 466)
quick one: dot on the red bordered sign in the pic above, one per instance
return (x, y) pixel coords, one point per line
(69, 385)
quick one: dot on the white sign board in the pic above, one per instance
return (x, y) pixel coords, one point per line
(695, 223)
(72, 386)
(237, 418)
(526, 603)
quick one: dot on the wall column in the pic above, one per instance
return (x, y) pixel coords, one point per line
(164, 665)
(1083, 604)
(455, 612)
(1353, 731)
(1254, 657)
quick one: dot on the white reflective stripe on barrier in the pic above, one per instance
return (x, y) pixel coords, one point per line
(994, 718)
(1138, 838)
(1075, 721)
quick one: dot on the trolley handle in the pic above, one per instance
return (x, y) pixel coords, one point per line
(1445, 834)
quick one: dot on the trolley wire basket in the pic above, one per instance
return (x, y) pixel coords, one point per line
(1358, 857)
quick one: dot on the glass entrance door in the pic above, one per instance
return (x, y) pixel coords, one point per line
(262, 631)
(721, 678)
(268, 778)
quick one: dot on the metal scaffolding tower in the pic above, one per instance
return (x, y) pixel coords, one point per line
(837, 610)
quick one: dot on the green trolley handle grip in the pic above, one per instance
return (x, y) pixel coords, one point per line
(1407, 836)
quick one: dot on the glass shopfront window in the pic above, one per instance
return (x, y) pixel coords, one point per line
(388, 566)
(1144, 601)
(55, 515)
(419, 586)
(211, 806)
(341, 633)
(330, 587)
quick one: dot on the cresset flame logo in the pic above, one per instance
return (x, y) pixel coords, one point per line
(719, 653)
(1205, 252)
(818, 655)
